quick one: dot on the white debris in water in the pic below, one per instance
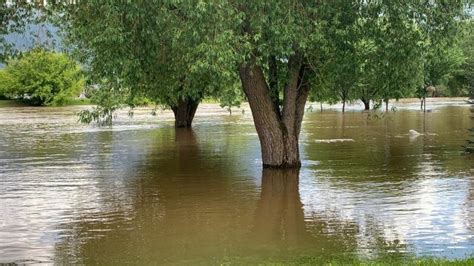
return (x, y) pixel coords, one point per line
(333, 140)
(413, 132)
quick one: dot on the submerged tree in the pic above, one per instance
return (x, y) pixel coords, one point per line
(293, 32)
(339, 67)
(375, 49)
(147, 49)
(468, 77)
(178, 51)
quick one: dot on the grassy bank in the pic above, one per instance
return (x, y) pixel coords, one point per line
(353, 261)
(78, 102)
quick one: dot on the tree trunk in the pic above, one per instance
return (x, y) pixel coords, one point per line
(184, 111)
(278, 131)
(424, 104)
(421, 104)
(321, 105)
(343, 105)
(366, 104)
(386, 105)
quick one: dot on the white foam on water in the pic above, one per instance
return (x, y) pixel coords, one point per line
(333, 140)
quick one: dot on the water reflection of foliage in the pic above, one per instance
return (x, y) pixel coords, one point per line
(175, 175)
(470, 142)
(209, 222)
(382, 149)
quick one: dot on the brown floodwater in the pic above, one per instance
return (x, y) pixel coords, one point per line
(143, 192)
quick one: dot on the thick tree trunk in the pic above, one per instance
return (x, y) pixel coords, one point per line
(386, 105)
(278, 131)
(343, 106)
(366, 104)
(184, 111)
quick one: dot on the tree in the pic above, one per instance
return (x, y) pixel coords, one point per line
(298, 39)
(339, 68)
(393, 52)
(41, 77)
(460, 80)
(374, 49)
(11, 18)
(148, 49)
(173, 49)
(468, 78)
(23, 27)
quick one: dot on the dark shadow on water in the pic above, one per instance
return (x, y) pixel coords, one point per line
(279, 217)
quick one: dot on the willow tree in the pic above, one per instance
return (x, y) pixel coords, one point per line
(174, 49)
(145, 49)
(392, 65)
(293, 33)
(339, 67)
(379, 48)
(279, 44)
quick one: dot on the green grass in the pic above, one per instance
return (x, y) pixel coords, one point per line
(352, 261)
(78, 102)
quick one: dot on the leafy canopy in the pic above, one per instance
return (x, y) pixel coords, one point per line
(148, 49)
(41, 77)
(169, 49)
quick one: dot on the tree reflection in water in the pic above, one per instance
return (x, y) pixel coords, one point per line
(279, 218)
(160, 195)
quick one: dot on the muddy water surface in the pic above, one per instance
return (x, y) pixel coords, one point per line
(143, 192)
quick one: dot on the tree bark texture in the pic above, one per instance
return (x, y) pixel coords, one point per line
(366, 104)
(184, 112)
(278, 130)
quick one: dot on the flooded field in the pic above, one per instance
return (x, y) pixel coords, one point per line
(142, 192)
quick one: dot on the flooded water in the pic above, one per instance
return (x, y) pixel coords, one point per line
(143, 192)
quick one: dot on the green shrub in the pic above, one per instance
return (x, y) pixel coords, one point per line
(41, 77)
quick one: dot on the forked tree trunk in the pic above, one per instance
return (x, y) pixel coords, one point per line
(366, 104)
(278, 130)
(184, 111)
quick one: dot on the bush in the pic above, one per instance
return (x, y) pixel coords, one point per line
(41, 77)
